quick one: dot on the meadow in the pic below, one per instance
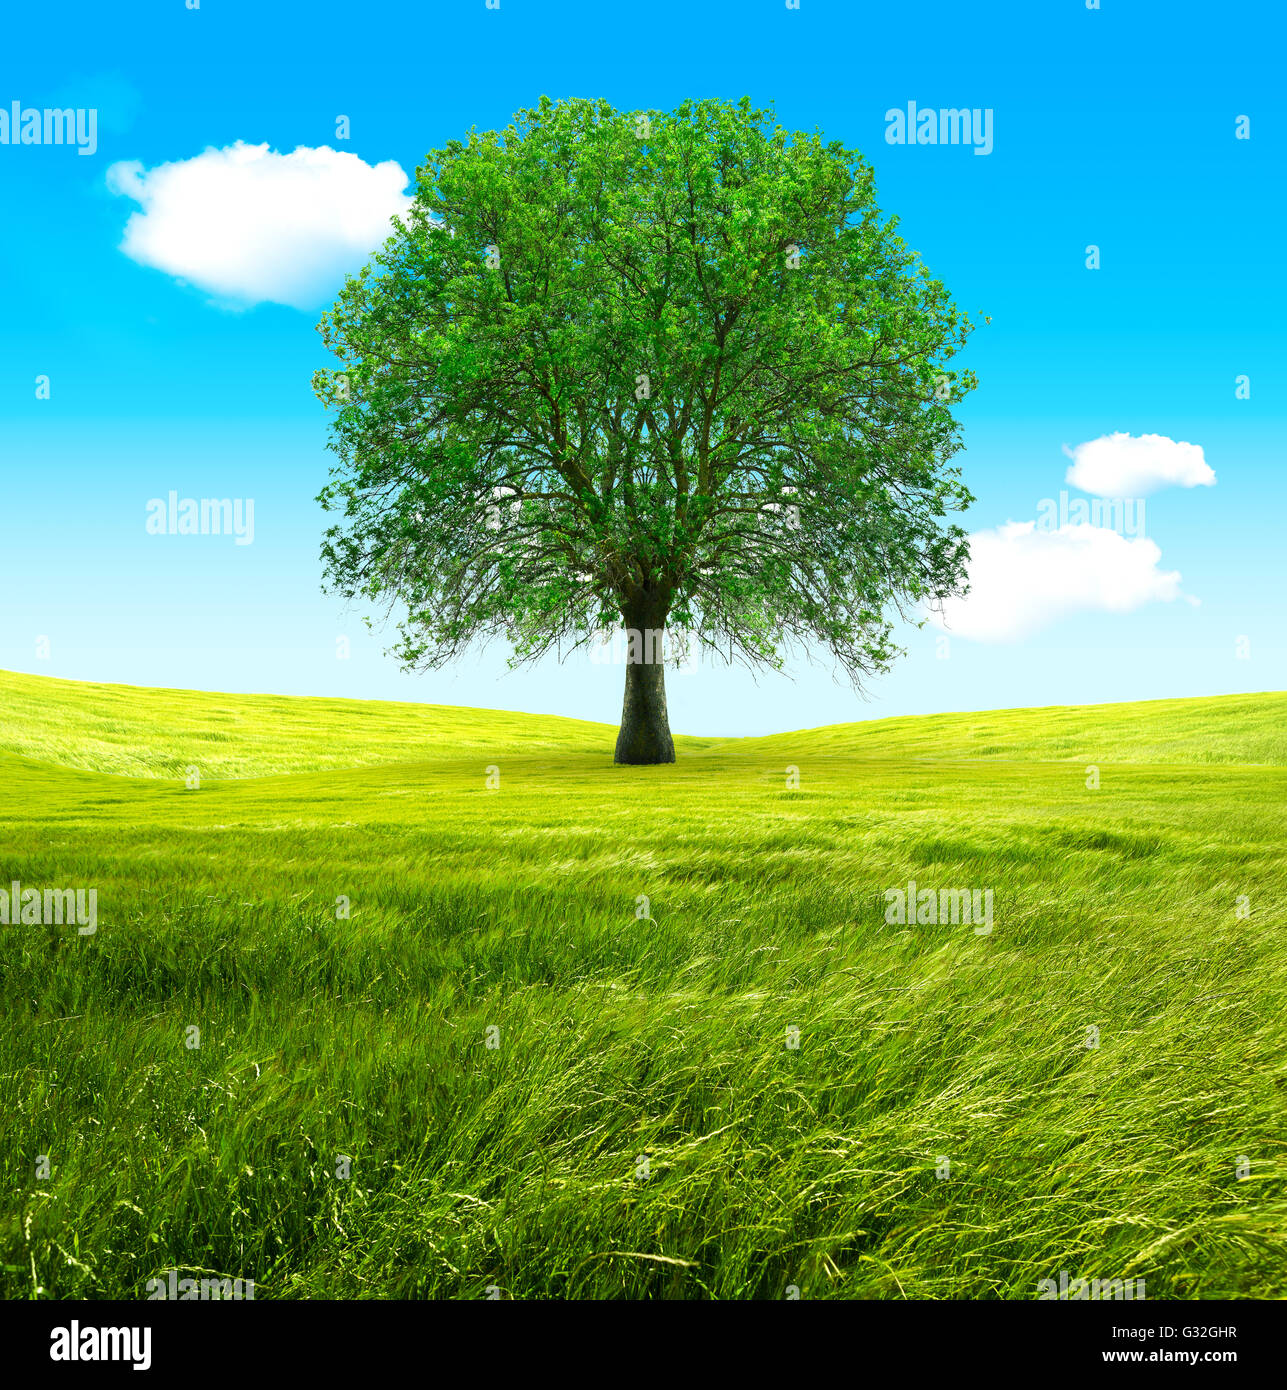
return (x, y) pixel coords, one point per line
(480, 1014)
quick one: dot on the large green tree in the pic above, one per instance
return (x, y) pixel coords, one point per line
(664, 369)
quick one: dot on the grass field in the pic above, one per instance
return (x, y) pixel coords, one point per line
(510, 915)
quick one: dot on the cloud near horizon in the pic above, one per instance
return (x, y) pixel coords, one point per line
(249, 225)
(1023, 579)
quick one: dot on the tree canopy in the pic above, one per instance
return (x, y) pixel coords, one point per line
(651, 368)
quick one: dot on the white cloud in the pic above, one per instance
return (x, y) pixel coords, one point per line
(247, 224)
(1124, 465)
(1022, 579)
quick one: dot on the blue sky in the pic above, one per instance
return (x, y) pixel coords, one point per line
(1113, 127)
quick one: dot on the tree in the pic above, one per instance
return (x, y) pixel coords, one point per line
(671, 370)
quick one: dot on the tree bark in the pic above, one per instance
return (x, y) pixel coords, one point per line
(644, 736)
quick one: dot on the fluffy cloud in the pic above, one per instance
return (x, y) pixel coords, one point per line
(1023, 578)
(248, 225)
(1124, 465)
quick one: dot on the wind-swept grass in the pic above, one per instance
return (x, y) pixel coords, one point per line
(642, 941)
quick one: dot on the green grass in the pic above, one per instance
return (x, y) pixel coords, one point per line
(515, 909)
(138, 732)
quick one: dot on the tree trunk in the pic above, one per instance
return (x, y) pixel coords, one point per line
(644, 736)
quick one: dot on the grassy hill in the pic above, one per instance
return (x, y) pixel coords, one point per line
(141, 732)
(1219, 729)
(638, 944)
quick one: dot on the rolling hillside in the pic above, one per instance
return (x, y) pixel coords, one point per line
(141, 732)
(647, 1032)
